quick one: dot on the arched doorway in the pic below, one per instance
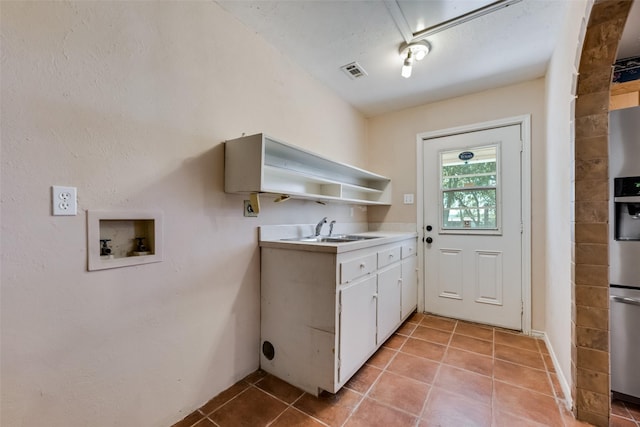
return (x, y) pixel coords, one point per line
(590, 305)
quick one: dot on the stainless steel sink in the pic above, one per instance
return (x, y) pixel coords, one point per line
(334, 239)
(357, 237)
(343, 238)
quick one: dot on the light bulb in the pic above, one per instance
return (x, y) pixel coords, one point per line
(406, 71)
(420, 54)
(406, 67)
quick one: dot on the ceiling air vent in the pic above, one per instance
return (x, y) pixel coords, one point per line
(354, 70)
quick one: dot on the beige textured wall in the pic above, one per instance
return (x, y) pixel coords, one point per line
(129, 102)
(393, 153)
(559, 162)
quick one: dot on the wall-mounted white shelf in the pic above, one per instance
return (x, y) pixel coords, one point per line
(120, 230)
(261, 164)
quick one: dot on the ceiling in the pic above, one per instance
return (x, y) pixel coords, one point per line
(507, 46)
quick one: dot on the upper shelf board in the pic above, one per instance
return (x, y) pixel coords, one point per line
(261, 164)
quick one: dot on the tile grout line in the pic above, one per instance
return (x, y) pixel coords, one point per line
(431, 386)
(355, 408)
(548, 376)
(284, 410)
(558, 399)
(366, 393)
(383, 370)
(494, 404)
(310, 416)
(631, 417)
(289, 405)
(222, 404)
(214, 423)
(435, 377)
(546, 373)
(426, 399)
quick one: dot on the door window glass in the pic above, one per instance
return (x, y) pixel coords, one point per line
(469, 184)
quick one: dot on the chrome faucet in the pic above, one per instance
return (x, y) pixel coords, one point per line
(331, 224)
(319, 226)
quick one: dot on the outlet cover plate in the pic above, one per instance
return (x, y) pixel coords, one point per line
(64, 200)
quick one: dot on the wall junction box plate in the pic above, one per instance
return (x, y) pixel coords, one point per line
(248, 209)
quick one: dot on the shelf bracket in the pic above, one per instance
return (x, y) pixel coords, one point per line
(255, 202)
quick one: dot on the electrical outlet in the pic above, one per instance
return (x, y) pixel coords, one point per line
(249, 210)
(63, 200)
(408, 199)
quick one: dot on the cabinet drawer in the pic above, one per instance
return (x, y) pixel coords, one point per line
(354, 268)
(408, 249)
(388, 256)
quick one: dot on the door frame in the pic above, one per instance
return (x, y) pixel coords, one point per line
(525, 132)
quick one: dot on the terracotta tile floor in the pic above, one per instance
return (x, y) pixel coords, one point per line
(433, 372)
(624, 414)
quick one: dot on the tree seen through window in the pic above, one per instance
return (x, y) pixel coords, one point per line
(469, 189)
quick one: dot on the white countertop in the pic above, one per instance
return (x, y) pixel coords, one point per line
(384, 237)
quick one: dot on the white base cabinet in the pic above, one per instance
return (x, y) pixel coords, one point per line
(324, 314)
(389, 300)
(357, 332)
(409, 280)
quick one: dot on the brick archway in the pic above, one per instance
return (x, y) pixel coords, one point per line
(590, 306)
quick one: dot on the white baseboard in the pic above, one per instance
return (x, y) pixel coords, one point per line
(564, 384)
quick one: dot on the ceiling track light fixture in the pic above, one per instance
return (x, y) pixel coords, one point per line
(410, 51)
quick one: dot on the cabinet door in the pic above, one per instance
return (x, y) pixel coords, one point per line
(409, 285)
(388, 301)
(357, 325)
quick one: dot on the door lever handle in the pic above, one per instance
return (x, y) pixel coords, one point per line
(625, 300)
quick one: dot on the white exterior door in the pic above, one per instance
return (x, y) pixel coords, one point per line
(473, 221)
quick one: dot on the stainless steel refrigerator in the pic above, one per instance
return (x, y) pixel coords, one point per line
(624, 252)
